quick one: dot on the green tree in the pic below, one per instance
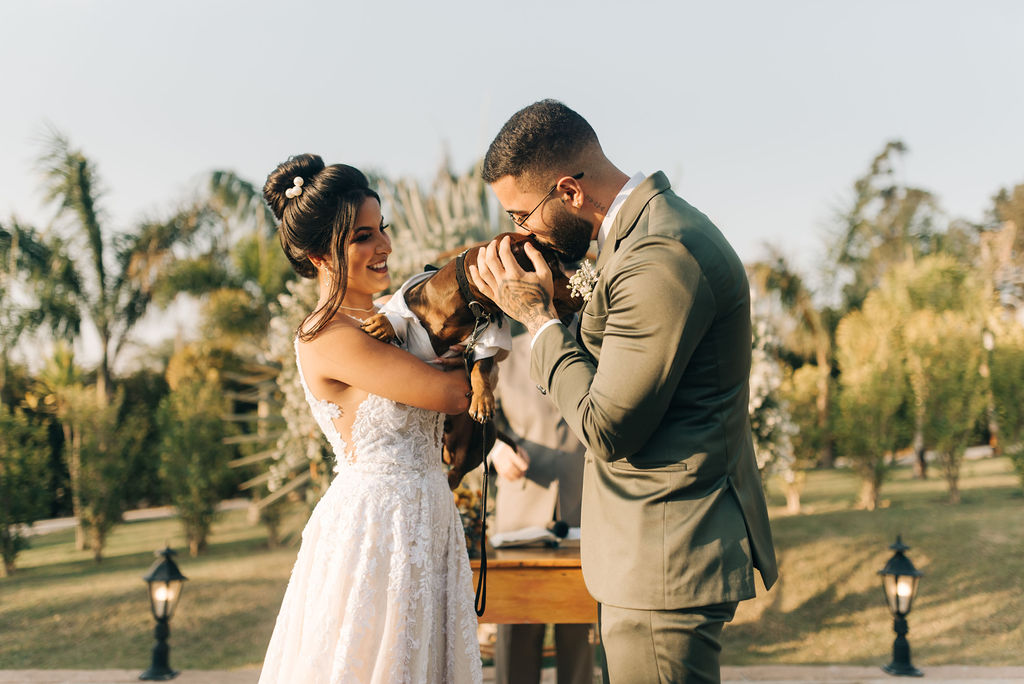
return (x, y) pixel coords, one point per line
(944, 360)
(24, 461)
(239, 270)
(940, 299)
(800, 391)
(1008, 207)
(872, 392)
(1006, 372)
(193, 457)
(144, 389)
(52, 393)
(33, 291)
(238, 279)
(105, 278)
(887, 223)
(103, 438)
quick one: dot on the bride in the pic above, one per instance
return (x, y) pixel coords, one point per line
(381, 590)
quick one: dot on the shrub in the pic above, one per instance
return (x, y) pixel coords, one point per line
(102, 444)
(24, 456)
(193, 457)
(1007, 376)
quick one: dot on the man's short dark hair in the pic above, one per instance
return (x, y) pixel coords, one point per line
(538, 141)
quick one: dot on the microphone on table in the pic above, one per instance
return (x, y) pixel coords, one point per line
(559, 528)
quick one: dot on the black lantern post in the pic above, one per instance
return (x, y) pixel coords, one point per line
(165, 584)
(899, 580)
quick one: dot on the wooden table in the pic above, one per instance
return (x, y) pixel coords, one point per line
(536, 585)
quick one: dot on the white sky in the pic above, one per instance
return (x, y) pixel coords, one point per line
(761, 113)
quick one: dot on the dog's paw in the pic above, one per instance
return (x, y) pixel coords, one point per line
(379, 326)
(481, 407)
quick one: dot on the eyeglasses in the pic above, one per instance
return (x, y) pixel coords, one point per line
(520, 221)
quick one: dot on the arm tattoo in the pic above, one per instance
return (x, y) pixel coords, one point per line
(526, 302)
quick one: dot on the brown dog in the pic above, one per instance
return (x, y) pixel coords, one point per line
(442, 303)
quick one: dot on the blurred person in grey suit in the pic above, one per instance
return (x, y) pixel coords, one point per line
(540, 482)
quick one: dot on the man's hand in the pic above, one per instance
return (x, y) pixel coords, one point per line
(523, 295)
(510, 463)
(453, 361)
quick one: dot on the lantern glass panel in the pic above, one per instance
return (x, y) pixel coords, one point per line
(899, 591)
(164, 597)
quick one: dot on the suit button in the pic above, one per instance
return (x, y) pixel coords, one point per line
(541, 390)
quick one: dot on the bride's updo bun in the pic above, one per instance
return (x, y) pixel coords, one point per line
(316, 206)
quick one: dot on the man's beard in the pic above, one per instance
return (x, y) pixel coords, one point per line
(569, 236)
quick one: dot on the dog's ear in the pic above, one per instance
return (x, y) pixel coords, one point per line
(516, 243)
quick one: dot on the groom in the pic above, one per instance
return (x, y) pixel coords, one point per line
(656, 384)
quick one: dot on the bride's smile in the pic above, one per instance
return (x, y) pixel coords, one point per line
(367, 256)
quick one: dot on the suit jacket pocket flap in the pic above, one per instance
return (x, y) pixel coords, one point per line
(642, 467)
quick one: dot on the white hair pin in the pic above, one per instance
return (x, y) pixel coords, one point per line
(296, 190)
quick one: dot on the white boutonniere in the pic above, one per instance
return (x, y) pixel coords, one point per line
(582, 281)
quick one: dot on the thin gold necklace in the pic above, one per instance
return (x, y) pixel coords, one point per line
(372, 309)
(356, 308)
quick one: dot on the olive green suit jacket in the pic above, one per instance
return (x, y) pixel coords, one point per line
(656, 387)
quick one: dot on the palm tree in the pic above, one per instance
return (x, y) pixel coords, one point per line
(19, 253)
(51, 393)
(241, 269)
(104, 278)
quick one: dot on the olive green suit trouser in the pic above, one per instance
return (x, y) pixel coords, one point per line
(663, 646)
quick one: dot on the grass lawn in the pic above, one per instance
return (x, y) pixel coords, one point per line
(61, 610)
(828, 606)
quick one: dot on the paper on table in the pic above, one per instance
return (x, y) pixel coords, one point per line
(531, 536)
(524, 537)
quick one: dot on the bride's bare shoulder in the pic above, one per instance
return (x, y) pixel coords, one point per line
(338, 344)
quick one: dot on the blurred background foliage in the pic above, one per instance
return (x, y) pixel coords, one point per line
(906, 344)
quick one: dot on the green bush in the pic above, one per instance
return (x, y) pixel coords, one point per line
(872, 405)
(193, 457)
(104, 441)
(1007, 375)
(24, 455)
(944, 361)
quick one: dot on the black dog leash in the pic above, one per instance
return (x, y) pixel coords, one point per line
(482, 319)
(480, 600)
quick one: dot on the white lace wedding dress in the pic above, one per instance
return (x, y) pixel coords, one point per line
(381, 590)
